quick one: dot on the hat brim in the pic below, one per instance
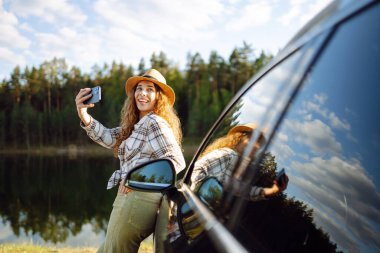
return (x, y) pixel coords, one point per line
(248, 128)
(242, 129)
(166, 89)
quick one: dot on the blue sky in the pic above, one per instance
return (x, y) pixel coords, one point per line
(87, 32)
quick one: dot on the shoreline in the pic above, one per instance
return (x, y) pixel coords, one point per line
(189, 147)
(70, 150)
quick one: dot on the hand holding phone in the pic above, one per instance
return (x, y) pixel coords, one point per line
(96, 93)
(281, 179)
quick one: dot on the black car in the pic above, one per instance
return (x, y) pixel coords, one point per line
(316, 105)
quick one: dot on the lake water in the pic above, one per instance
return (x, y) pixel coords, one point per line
(58, 200)
(55, 200)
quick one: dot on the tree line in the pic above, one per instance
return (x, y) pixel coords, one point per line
(38, 108)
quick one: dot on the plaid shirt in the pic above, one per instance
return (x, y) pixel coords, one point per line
(151, 138)
(220, 163)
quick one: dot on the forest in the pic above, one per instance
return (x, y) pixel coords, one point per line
(38, 108)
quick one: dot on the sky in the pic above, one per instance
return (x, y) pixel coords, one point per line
(87, 33)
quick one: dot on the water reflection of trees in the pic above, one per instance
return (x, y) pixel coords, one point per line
(281, 224)
(54, 197)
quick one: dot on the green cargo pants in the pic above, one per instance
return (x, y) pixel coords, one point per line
(132, 220)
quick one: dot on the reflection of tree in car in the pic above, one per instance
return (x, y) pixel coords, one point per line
(221, 156)
(162, 179)
(152, 179)
(139, 177)
(142, 177)
(280, 224)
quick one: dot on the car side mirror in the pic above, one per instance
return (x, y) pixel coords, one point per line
(210, 192)
(153, 176)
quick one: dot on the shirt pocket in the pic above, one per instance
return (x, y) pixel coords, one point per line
(136, 139)
(131, 146)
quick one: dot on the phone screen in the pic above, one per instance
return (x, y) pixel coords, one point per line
(280, 175)
(96, 95)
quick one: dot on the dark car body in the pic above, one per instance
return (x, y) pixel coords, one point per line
(318, 104)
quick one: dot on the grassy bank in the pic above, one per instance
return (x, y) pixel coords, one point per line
(146, 247)
(30, 248)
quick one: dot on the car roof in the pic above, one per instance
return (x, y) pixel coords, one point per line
(335, 12)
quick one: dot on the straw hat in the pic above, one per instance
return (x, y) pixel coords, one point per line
(250, 127)
(153, 76)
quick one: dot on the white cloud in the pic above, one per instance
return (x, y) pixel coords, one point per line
(280, 149)
(50, 11)
(287, 18)
(126, 31)
(78, 48)
(316, 106)
(161, 21)
(316, 135)
(122, 44)
(300, 11)
(10, 36)
(26, 27)
(11, 57)
(320, 98)
(341, 189)
(337, 122)
(255, 13)
(312, 9)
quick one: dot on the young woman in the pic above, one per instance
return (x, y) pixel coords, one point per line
(149, 129)
(221, 156)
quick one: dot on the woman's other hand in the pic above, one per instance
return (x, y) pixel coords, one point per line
(277, 187)
(123, 189)
(82, 96)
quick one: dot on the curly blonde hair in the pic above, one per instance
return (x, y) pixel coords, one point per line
(130, 116)
(229, 141)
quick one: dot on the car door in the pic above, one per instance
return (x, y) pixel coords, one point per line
(194, 222)
(301, 220)
(328, 143)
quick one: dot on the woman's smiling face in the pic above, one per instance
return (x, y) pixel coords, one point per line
(145, 97)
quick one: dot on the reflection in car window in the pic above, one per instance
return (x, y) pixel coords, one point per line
(252, 108)
(249, 110)
(329, 144)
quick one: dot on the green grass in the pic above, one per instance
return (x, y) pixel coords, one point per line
(146, 247)
(31, 248)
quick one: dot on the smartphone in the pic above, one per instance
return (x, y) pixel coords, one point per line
(280, 175)
(96, 95)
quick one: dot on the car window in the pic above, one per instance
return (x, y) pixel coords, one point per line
(329, 145)
(250, 118)
(185, 225)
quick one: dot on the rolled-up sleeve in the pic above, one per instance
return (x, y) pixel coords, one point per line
(164, 144)
(98, 133)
